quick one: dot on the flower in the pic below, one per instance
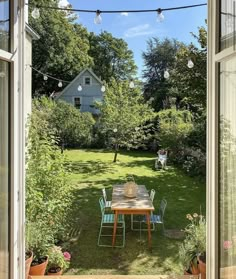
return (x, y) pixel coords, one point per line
(67, 256)
(228, 244)
(56, 258)
(194, 243)
(189, 216)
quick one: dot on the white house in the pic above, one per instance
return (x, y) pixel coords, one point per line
(83, 92)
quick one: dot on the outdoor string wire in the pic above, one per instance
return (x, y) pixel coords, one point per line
(115, 11)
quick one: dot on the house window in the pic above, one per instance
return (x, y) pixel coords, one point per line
(87, 81)
(77, 103)
(227, 166)
(4, 25)
(4, 170)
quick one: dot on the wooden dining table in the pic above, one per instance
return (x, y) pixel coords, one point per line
(141, 205)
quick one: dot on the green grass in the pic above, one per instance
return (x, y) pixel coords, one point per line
(91, 171)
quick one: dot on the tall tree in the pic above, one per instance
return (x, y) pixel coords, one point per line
(190, 83)
(124, 115)
(112, 58)
(158, 58)
(61, 51)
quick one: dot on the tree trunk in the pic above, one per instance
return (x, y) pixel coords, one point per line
(62, 147)
(116, 153)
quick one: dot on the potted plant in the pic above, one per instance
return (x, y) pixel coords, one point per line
(194, 245)
(40, 240)
(58, 261)
(28, 250)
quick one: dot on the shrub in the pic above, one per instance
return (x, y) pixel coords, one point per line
(194, 243)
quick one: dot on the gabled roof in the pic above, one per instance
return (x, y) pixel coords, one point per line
(77, 77)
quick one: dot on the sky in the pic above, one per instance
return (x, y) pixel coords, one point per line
(137, 28)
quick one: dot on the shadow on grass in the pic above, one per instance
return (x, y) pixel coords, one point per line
(89, 167)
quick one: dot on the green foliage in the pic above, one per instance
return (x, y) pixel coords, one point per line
(194, 243)
(68, 125)
(159, 56)
(73, 127)
(39, 237)
(47, 199)
(56, 258)
(66, 51)
(124, 115)
(111, 56)
(174, 127)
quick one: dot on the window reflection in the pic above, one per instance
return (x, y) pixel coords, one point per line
(227, 189)
(228, 23)
(4, 25)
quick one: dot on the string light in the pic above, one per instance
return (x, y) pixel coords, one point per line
(166, 74)
(79, 88)
(60, 81)
(190, 64)
(131, 84)
(35, 13)
(160, 16)
(98, 18)
(103, 88)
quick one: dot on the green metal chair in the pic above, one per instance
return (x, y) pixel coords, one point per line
(158, 218)
(107, 203)
(107, 222)
(137, 220)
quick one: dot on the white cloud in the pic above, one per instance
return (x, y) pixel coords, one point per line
(124, 14)
(140, 30)
(63, 3)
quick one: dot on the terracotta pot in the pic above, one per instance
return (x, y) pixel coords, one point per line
(39, 269)
(202, 268)
(194, 270)
(27, 265)
(55, 273)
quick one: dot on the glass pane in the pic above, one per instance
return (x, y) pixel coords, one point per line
(4, 24)
(4, 170)
(227, 171)
(228, 23)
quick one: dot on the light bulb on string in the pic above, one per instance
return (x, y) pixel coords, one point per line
(166, 74)
(103, 88)
(98, 18)
(79, 88)
(190, 64)
(59, 84)
(131, 84)
(115, 130)
(160, 16)
(35, 13)
(45, 77)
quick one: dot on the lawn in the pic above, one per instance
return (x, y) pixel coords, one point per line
(91, 171)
